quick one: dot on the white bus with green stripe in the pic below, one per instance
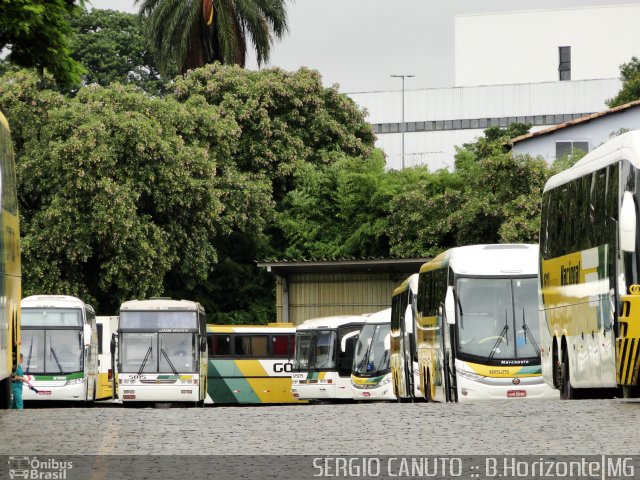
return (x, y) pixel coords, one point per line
(371, 370)
(250, 364)
(162, 352)
(324, 357)
(60, 348)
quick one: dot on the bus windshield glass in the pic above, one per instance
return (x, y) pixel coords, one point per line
(498, 317)
(372, 351)
(157, 320)
(53, 317)
(315, 350)
(158, 352)
(52, 351)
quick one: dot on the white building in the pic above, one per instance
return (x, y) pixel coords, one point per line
(508, 68)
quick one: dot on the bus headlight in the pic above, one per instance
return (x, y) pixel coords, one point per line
(474, 377)
(75, 381)
(385, 381)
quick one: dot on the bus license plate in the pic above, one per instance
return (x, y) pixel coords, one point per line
(44, 392)
(516, 393)
(129, 397)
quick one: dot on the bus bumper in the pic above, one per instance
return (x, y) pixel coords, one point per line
(57, 391)
(384, 392)
(504, 389)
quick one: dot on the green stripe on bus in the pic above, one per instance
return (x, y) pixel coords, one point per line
(61, 377)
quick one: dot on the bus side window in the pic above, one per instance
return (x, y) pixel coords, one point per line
(280, 345)
(251, 345)
(219, 345)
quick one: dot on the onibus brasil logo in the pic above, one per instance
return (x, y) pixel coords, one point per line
(35, 468)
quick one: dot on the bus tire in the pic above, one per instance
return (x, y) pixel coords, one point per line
(567, 392)
(629, 391)
(5, 393)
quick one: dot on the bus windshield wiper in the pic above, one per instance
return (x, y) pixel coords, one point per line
(29, 356)
(175, 372)
(144, 362)
(501, 336)
(529, 334)
(55, 357)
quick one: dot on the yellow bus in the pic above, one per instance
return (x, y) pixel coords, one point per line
(404, 354)
(589, 273)
(9, 266)
(250, 364)
(477, 329)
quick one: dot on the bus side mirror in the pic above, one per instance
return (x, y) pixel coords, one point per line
(203, 344)
(112, 345)
(628, 223)
(450, 306)
(87, 335)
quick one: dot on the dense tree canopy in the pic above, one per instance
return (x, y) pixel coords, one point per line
(37, 32)
(112, 48)
(630, 91)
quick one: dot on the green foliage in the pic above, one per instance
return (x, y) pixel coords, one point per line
(112, 47)
(36, 32)
(181, 37)
(630, 91)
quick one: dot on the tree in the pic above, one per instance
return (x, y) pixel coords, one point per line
(190, 34)
(36, 32)
(116, 193)
(112, 47)
(630, 91)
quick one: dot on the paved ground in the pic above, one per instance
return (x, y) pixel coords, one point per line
(590, 427)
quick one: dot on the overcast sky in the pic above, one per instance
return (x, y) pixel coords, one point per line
(359, 43)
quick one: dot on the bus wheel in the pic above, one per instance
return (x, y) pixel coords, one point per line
(5, 393)
(630, 392)
(567, 392)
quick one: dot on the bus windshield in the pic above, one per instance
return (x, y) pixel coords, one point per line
(54, 317)
(157, 320)
(158, 352)
(52, 351)
(315, 350)
(498, 317)
(372, 351)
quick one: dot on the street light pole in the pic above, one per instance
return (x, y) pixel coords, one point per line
(403, 126)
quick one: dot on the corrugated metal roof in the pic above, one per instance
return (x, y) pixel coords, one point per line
(577, 121)
(404, 265)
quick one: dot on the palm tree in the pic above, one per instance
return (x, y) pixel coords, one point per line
(187, 34)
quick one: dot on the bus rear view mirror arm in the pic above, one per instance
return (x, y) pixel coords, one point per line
(628, 222)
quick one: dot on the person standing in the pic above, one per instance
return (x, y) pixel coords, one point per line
(16, 386)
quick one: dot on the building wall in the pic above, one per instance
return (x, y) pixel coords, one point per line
(518, 47)
(323, 295)
(595, 132)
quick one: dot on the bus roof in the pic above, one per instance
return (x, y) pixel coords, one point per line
(409, 283)
(266, 329)
(160, 304)
(381, 317)
(54, 301)
(622, 147)
(331, 322)
(488, 260)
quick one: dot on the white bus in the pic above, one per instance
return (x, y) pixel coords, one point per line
(60, 348)
(106, 326)
(371, 370)
(162, 351)
(477, 332)
(589, 273)
(404, 353)
(324, 356)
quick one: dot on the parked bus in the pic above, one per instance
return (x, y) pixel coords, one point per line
(9, 266)
(371, 370)
(106, 326)
(477, 332)
(589, 263)
(60, 348)
(404, 353)
(250, 364)
(324, 356)
(162, 351)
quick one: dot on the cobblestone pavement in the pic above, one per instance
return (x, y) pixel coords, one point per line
(551, 427)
